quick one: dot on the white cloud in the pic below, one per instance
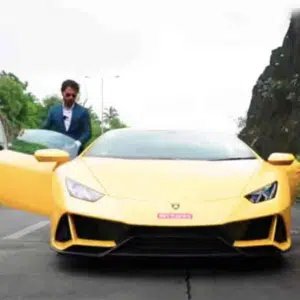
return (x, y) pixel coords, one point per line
(180, 62)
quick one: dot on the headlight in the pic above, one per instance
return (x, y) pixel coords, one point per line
(80, 191)
(266, 193)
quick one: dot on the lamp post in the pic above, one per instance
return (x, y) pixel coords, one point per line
(102, 107)
(102, 101)
(86, 89)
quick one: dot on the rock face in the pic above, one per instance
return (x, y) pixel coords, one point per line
(273, 118)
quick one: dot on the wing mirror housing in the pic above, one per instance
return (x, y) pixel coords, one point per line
(281, 159)
(52, 155)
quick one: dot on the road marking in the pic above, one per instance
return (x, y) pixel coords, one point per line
(26, 230)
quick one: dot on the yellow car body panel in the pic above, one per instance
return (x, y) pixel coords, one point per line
(151, 194)
(26, 184)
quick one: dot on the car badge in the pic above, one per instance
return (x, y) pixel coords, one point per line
(175, 205)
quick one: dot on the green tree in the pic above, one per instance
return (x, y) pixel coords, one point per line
(95, 123)
(47, 103)
(116, 123)
(50, 101)
(110, 113)
(112, 119)
(21, 109)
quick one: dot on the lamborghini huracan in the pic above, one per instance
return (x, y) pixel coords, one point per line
(138, 192)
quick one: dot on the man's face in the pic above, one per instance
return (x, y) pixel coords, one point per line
(69, 96)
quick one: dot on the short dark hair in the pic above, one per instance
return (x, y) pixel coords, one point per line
(70, 83)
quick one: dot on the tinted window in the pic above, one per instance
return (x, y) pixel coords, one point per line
(169, 145)
(31, 140)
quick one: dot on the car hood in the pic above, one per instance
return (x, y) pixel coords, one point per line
(160, 180)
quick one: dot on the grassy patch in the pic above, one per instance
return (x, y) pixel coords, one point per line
(25, 147)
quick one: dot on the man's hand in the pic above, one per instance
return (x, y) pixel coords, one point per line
(78, 143)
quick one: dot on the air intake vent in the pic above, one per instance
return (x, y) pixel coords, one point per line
(280, 235)
(63, 232)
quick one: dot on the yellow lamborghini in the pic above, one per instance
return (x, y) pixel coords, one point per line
(153, 193)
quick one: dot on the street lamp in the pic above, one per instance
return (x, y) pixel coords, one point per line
(102, 101)
(86, 89)
(102, 106)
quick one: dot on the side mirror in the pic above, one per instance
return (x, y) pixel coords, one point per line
(52, 155)
(281, 158)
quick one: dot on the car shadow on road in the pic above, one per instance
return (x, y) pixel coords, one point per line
(137, 267)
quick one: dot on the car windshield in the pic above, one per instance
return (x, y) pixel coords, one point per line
(30, 140)
(181, 145)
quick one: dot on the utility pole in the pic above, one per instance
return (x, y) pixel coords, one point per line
(102, 101)
(102, 107)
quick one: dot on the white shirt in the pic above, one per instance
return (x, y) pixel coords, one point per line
(67, 113)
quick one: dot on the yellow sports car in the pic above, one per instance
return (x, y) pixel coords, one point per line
(153, 193)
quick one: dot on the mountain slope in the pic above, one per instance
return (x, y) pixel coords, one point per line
(273, 117)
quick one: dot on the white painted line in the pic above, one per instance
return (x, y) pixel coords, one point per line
(26, 230)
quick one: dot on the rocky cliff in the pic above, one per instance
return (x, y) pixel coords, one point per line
(273, 118)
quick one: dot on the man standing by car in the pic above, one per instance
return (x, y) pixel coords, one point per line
(70, 118)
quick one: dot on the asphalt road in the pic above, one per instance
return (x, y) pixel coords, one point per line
(30, 270)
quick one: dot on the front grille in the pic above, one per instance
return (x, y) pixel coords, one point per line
(255, 229)
(164, 240)
(173, 246)
(258, 229)
(179, 231)
(169, 241)
(96, 229)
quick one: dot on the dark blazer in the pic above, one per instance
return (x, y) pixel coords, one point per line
(80, 127)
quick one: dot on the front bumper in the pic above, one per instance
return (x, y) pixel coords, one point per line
(82, 235)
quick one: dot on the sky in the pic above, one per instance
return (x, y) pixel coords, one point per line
(178, 63)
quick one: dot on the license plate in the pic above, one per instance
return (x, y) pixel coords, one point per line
(174, 216)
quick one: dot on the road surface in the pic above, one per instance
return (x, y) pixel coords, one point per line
(30, 270)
